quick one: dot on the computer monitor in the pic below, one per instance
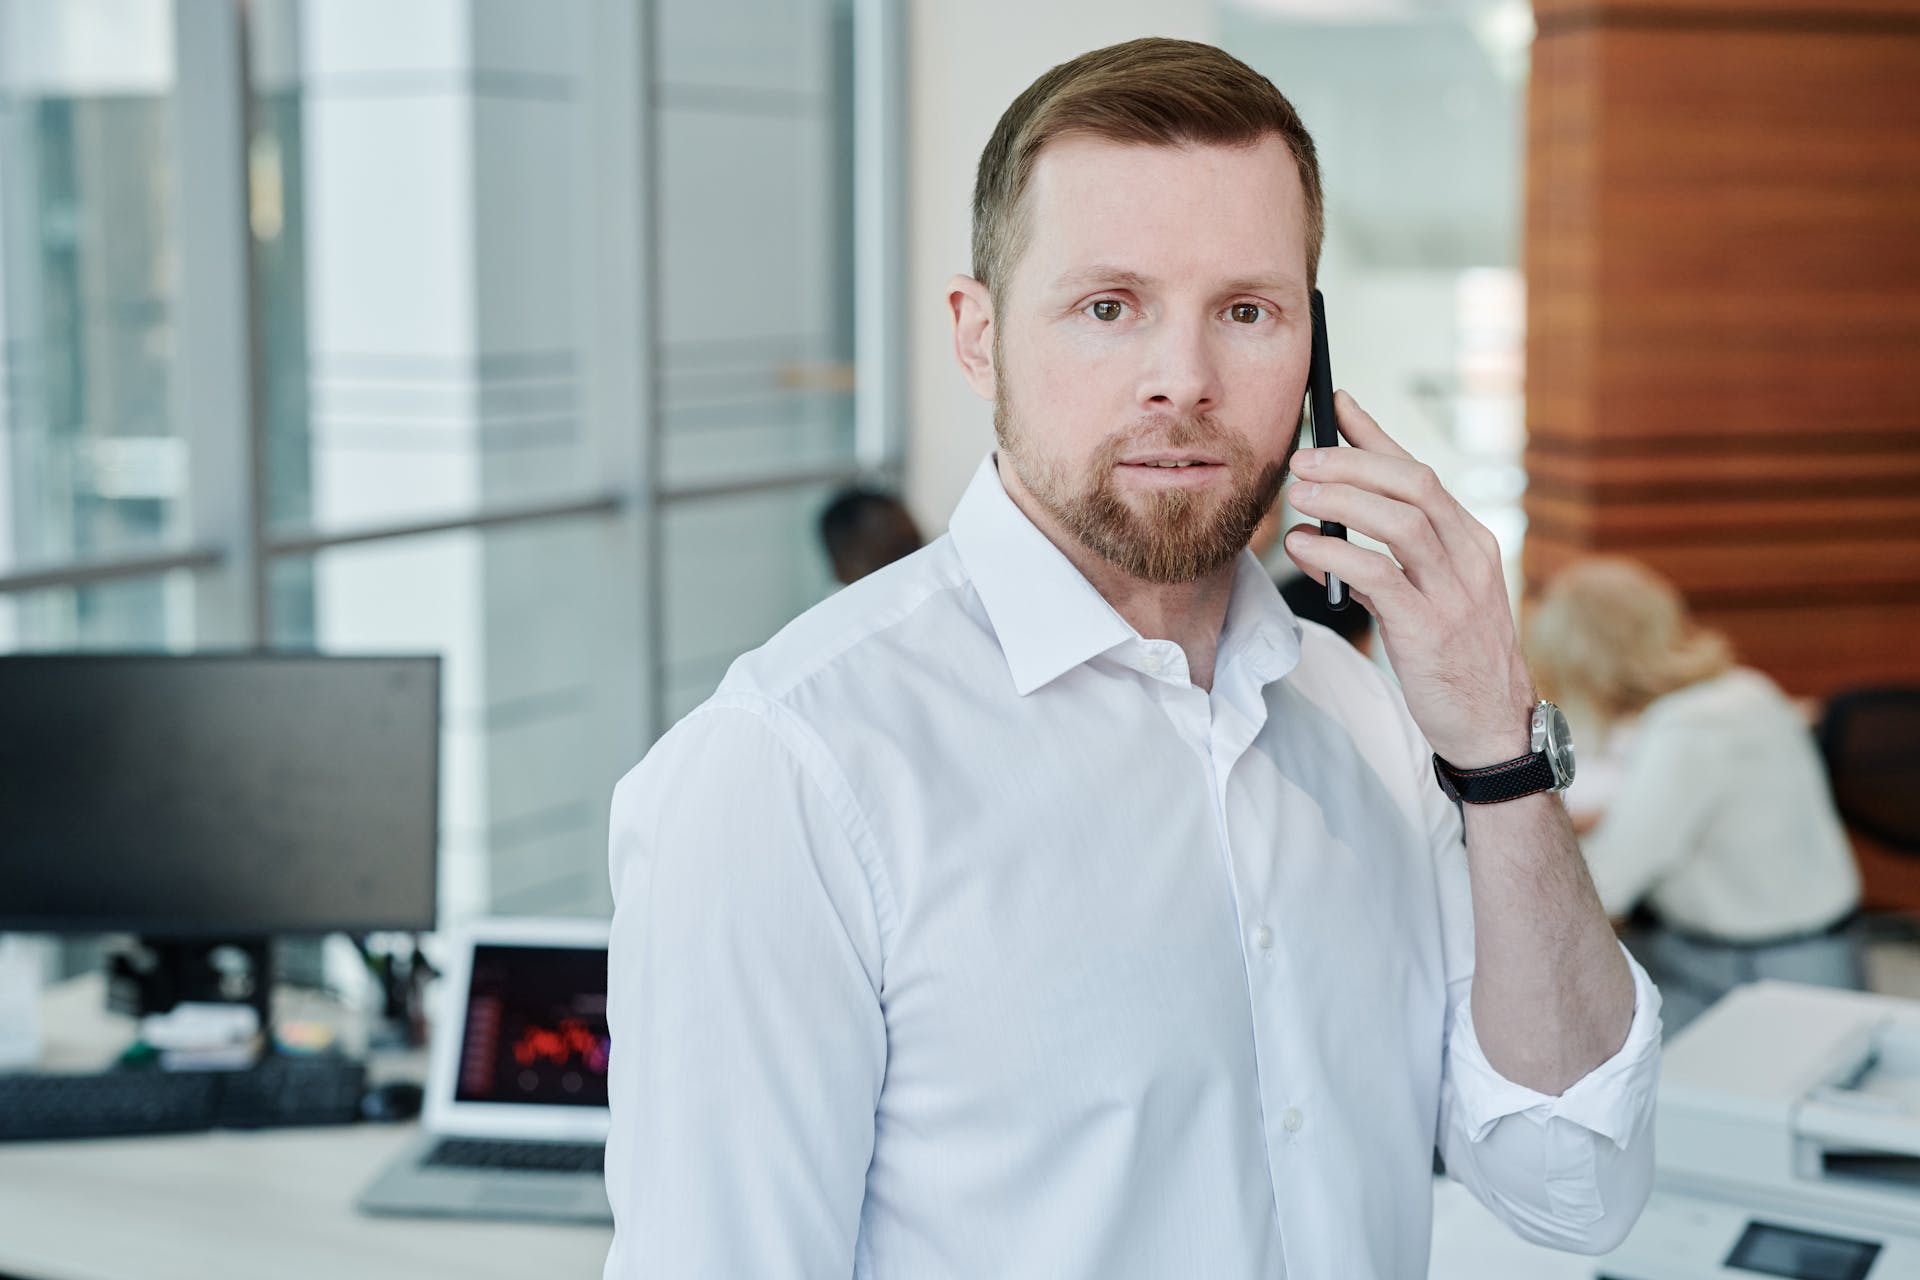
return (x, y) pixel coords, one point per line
(218, 797)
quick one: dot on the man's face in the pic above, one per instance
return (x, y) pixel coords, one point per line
(1157, 316)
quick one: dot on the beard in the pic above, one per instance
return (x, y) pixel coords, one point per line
(1174, 536)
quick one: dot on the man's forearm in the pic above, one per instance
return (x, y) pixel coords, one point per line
(1552, 995)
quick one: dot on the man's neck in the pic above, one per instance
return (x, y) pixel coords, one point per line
(1190, 614)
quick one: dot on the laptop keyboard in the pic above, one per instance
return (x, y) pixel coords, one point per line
(520, 1157)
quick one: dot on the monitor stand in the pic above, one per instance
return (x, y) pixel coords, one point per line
(155, 974)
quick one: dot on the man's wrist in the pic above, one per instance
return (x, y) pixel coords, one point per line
(1504, 738)
(1492, 750)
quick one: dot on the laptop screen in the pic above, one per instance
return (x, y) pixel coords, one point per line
(536, 1027)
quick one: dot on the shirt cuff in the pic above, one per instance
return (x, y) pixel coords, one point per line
(1609, 1100)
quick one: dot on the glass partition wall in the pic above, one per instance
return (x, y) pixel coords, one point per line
(534, 336)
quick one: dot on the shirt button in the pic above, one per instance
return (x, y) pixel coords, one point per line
(1263, 938)
(1291, 1119)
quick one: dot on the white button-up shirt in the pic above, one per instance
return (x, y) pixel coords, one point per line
(960, 935)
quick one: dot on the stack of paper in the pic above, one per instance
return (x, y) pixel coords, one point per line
(193, 1036)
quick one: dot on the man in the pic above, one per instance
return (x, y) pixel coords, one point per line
(1049, 904)
(863, 530)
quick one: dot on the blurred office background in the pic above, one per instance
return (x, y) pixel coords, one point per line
(522, 333)
(536, 335)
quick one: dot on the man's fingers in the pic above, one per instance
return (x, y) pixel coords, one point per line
(1368, 573)
(1359, 428)
(1384, 467)
(1377, 465)
(1320, 575)
(1404, 527)
(1374, 462)
(1398, 477)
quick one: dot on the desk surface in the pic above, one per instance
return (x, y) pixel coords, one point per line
(215, 1206)
(208, 1206)
(278, 1203)
(220, 1205)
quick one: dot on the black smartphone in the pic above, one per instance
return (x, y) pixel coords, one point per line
(1326, 433)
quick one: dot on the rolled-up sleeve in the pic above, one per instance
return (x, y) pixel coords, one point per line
(1572, 1171)
(744, 976)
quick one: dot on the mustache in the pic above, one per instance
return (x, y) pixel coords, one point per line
(1186, 432)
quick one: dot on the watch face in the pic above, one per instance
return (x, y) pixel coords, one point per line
(1558, 746)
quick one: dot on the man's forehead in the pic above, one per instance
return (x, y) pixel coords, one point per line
(1111, 214)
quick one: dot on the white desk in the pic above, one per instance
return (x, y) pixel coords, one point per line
(279, 1203)
(1469, 1243)
(213, 1206)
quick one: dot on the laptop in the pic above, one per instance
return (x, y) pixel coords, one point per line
(515, 1109)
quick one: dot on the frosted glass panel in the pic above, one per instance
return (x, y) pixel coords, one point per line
(425, 245)
(738, 569)
(93, 463)
(756, 248)
(749, 46)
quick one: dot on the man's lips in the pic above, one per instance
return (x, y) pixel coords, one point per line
(1153, 473)
(1170, 462)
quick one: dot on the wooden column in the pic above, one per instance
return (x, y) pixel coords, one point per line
(1723, 352)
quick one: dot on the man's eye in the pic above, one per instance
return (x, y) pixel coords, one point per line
(1247, 312)
(1105, 309)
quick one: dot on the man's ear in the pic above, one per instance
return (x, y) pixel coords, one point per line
(972, 309)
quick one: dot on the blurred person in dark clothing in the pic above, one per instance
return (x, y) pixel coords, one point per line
(1308, 600)
(865, 529)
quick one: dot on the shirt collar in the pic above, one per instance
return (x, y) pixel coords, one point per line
(1048, 617)
(1261, 631)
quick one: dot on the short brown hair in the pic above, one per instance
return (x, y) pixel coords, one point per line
(1153, 92)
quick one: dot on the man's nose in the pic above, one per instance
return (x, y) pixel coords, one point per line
(1182, 375)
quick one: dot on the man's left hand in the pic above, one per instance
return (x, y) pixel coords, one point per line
(1440, 599)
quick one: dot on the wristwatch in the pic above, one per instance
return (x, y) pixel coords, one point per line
(1548, 767)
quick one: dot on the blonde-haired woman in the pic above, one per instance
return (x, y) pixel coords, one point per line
(1721, 823)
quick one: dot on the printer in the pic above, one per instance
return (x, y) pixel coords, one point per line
(1786, 1142)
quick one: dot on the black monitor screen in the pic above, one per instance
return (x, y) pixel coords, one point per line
(536, 1027)
(187, 796)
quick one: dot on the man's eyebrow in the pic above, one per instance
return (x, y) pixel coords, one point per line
(1103, 275)
(1280, 282)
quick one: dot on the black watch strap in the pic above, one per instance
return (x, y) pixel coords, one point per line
(1496, 782)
